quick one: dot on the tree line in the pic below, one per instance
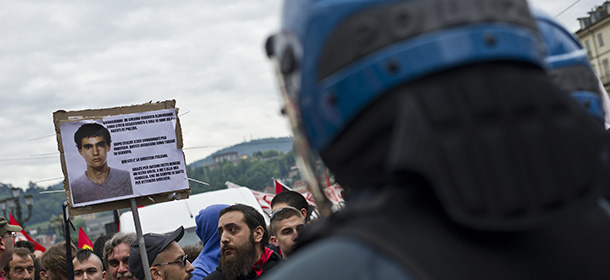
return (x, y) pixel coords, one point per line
(255, 172)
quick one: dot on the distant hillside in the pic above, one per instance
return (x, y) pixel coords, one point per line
(283, 144)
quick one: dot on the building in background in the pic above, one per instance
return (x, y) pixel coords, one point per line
(100, 225)
(228, 156)
(594, 34)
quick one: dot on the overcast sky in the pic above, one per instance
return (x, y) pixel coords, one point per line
(207, 55)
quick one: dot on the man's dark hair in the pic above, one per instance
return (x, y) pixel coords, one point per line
(83, 254)
(282, 214)
(293, 199)
(37, 269)
(23, 253)
(25, 244)
(98, 247)
(192, 251)
(252, 218)
(91, 130)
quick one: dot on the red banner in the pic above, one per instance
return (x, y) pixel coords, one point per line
(22, 235)
(83, 240)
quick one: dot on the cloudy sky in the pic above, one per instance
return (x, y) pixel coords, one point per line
(207, 55)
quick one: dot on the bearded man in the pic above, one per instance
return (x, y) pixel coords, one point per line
(243, 240)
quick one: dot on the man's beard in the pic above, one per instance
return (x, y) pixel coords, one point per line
(168, 276)
(125, 275)
(240, 262)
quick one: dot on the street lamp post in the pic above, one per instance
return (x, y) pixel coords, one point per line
(58, 226)
(3, 206)
(14, 205)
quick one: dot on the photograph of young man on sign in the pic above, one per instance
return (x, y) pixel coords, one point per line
(99, 181)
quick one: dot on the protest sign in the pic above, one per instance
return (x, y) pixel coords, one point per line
(112, 155)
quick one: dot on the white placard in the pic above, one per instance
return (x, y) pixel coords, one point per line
(142, 144)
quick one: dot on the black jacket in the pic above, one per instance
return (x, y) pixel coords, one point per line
(401, 235)
(272, 262)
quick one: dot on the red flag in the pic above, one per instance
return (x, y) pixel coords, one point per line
(83, 240)
(279, 187)
(264, 199)
(22, 235)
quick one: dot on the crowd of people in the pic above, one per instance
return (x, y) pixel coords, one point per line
(235, 242)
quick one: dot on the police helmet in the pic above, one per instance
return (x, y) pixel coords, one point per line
(454, 91)
(569, 65)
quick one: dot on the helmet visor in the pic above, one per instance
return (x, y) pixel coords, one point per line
(328, 196)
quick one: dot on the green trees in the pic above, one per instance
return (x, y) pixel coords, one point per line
(45, 204)
(255, 172)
